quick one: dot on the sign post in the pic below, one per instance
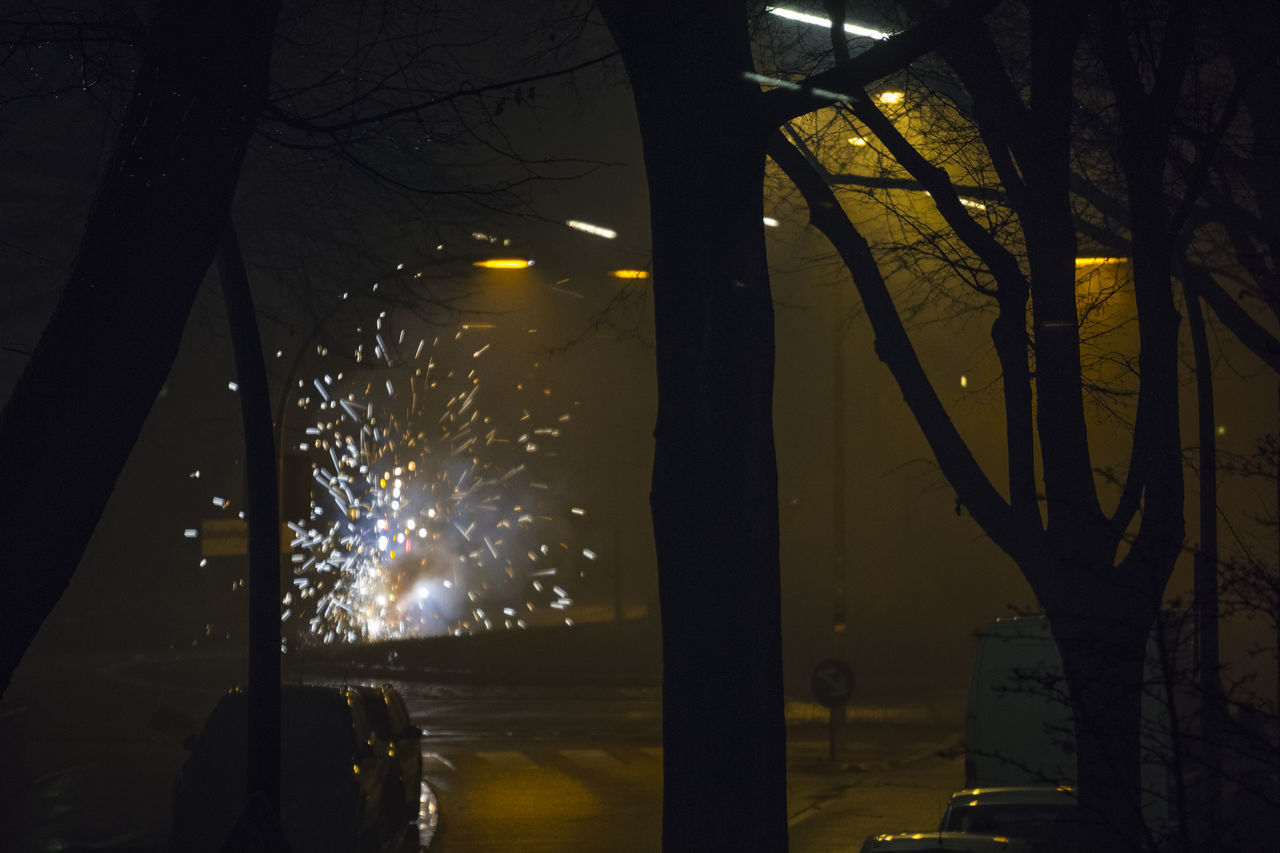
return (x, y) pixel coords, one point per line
(832, 685)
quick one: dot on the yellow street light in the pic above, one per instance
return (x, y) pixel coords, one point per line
(504, 263)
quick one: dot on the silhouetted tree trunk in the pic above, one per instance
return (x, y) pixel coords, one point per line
(714, 491)
(74, 416)
(714, 498)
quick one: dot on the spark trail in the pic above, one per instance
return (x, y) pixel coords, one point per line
(434, 505)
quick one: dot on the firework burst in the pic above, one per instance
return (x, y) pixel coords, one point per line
(433, 509)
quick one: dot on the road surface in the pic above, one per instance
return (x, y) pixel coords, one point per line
(558, 767)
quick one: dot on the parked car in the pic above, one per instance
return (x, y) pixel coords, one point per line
(1046, 816)
(389, 719)
(946, 842)
(333, 773)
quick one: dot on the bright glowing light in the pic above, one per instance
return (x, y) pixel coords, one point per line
(964, 381)
(607, 233)
(1090, 262)
(890, 97)
(424, 502)
(804, 18)
(629, 273)
(771, 222)
(857, 140)
(504, 263)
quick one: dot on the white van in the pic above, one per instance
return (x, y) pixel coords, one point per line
(1019, 728)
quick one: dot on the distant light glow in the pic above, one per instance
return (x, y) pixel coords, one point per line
(504, 263)
(804, 18)
(890, 97)
(857, 140)
(964, 381)
(1090, 262)
(771, 222)
(424, 503)
(597, 230)
(629, 273)
(771, 81)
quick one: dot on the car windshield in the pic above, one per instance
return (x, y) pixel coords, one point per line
(1052, 825)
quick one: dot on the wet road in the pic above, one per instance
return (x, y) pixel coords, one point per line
(508, 767)
(524, 768)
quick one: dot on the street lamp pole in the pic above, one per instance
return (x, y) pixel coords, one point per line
(839, 619)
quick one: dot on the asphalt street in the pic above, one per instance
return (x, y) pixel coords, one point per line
(526, 767)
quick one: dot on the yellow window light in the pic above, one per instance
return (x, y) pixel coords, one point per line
(504, 264)
(1091, 262)
(629, 273)
(890, 97)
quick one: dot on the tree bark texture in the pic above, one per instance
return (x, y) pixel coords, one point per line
(75, 414)
(714, 489)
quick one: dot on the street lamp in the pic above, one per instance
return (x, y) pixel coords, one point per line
(805, 18)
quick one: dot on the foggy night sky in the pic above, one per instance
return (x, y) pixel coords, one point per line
(920, 579)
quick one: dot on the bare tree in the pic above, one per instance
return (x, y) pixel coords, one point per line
(157, 221)
(1020, 82)
(704, 123)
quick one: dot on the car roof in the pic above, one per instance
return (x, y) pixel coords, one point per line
(1020, 795)
(959, 842)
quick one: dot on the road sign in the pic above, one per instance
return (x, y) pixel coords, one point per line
(832, 682)
(224, 537)
(229, 537)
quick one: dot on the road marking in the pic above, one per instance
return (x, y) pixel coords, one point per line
(508, 760)
(435, 756)
(803, 815)
(591, 757)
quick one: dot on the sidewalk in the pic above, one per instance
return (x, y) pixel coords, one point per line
(894, 764)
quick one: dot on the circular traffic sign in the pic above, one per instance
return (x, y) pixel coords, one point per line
(832, 682)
